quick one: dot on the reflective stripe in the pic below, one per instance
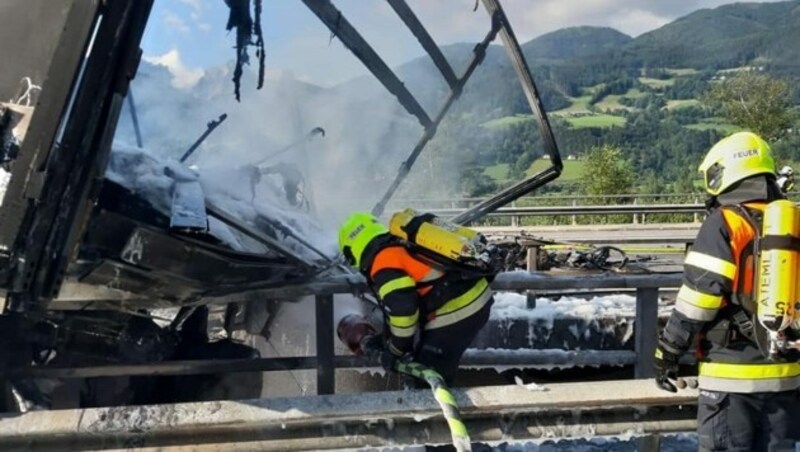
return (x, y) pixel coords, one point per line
(693, 312)
(748, 378)
(699, 299)
(468, 308)
(403, 332)
(394, 350)
(403, 325)
(711, 263)
(431, 275)
(463, 300)
(403, 282)
(404, 321)
(750, 371)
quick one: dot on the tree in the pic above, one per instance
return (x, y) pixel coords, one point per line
(606, 172)
(474, 182)
(755, 102)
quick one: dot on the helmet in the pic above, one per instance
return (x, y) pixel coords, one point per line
(356, 233)
(733, 159)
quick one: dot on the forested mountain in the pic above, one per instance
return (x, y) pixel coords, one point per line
(728, 36)
(603, 87)
(574, 42)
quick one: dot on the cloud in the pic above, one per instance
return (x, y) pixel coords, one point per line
(454, 20)
(305, 47)
(197, 11)
(197, 6)
(175, 22)
(182, 76)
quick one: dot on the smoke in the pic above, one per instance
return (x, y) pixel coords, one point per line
(368, 134)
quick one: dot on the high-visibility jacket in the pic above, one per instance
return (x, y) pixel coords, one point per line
(718, 282)
(414, 293)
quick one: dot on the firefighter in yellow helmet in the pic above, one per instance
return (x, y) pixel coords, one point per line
(432, 314)
(749, 401)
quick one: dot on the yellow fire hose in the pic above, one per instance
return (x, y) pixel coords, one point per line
(442, 394)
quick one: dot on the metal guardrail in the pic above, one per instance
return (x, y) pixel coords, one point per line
(561, 200)
(585, 210)
(381, 419)
(639, 211)
(326, 362)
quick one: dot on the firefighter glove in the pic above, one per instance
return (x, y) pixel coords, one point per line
(378, 349)
(666, 367)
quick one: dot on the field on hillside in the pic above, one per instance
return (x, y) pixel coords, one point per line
(573, 171)
(497, 172)
(714, 123)
(611, 103)
(683, 103)
(679, 72)
(597, 120)
(657, 83)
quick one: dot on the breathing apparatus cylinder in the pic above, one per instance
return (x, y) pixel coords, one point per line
(778, 265)
(432, 233)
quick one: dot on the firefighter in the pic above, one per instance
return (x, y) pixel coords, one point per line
(749, 400)
(433, 314)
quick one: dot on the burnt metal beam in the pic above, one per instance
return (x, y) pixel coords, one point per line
(522, 358)
(209, 129)
(408, 17)
(479, 53)
(25, 184)
(506, 196)
(256, 235)
(134, 119)
(72, 175)
(326, 370)
(352, 39)
(392, 418)
(646, 331)
(521, 67)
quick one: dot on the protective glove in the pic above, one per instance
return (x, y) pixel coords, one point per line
(666, 366)
(376, 347)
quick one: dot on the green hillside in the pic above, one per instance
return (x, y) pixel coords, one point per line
(727, 36)
(574, 42)
(599, 86)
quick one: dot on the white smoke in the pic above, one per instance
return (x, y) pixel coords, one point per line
(367, 133)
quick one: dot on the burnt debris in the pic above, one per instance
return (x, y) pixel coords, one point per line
(246, 26)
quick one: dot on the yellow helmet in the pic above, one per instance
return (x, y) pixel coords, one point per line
(356, 233)
(733, 159)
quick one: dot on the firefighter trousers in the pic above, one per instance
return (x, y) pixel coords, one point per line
(442, 348)
(764, 421)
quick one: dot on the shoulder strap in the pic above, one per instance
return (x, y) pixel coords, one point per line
(445, 264)
(742, 312)
(743, 212)
(744, 322)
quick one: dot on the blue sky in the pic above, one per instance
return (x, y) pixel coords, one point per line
(188, 36)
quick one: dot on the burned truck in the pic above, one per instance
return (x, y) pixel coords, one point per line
(87, 257)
